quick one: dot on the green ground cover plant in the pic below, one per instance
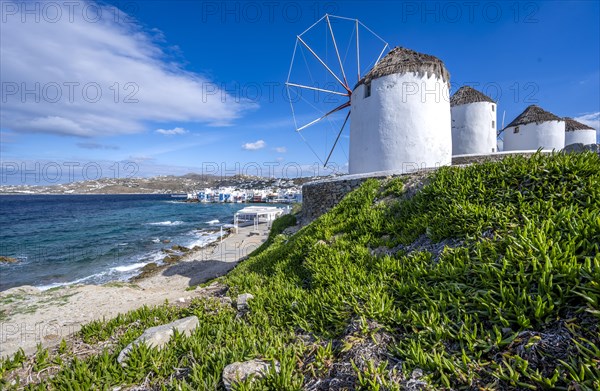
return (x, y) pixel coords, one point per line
(487, 278)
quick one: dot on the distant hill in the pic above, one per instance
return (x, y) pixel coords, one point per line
(156, 185)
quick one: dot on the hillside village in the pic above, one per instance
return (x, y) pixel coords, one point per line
(169, 184)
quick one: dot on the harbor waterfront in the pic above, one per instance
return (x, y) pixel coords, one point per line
(232, 195)
(93, 239)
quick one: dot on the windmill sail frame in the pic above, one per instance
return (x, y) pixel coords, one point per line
(342, 78)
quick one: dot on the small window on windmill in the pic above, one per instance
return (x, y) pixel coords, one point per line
(493, 124)
(493, 107)
(516, 129)
(367, 89)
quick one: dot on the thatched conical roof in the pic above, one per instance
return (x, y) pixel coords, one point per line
(466, 94)
(572, 125)
(403, 60)
(535, 114)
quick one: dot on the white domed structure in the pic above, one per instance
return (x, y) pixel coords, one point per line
(576, 132)
(473, 122)
(400, 115)
(535, 128)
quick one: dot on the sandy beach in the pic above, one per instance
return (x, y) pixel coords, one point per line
(30, 316)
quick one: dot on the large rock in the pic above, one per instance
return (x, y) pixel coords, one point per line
(576, 147)
(579, 147)
(21, 290)
(180, 248)
(170, 259)
(5, 259)
(158, 336)
(242, 301)
(241, 371)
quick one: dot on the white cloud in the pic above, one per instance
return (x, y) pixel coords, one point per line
(281, 149)
(259, 144)
(593, 120)
(141, 158)
(92, 145)
(172, 132)
(71, 75)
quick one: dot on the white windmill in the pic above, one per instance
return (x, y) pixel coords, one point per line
(398, 105)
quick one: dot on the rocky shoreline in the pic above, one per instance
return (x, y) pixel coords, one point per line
(173, 255)
(30, 316)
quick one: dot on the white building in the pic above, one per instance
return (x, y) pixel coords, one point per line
(535, 128)
(576, 132)
(473, 122)
(400, 118)
(255, 215)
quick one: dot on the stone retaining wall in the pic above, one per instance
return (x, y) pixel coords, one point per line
(320, 196)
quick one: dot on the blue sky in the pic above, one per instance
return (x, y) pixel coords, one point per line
(189, 86)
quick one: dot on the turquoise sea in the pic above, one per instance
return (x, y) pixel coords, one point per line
(92, 239)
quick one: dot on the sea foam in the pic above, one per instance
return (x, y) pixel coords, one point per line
(166, 223)
(127, 268)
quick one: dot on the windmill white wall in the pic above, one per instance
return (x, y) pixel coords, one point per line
(474, 128)
(546, 135)
(403, 125)
(583, 136)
